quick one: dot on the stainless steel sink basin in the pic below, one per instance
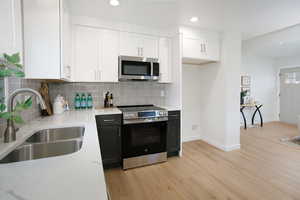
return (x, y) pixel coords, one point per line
(57, 134)
(48, 143)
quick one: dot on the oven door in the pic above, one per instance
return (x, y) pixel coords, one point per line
(143, 139)
(134, 68)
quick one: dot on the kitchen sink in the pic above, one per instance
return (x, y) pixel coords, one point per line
(48, 143)
(56, 134)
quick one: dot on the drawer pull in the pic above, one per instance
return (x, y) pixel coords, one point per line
(109, 120)
(173, 115)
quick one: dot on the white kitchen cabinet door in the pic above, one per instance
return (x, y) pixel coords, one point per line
(109, 56)
(66, 43)
(42, 39)
(10, 28)
(87, 51)
(165, 60)
(149, 46)
(138, 45)
(130, 44)
(193, 48)
(201, 50)
(212, 48)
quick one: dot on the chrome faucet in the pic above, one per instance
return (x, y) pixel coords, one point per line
(10, 132)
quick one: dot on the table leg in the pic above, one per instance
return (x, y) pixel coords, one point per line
(253, 116)
(244, 118)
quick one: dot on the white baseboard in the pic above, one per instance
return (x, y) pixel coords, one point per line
(220, 146)
(232, 147)
(191, 138)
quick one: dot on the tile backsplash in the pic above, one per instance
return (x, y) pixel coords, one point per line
(124, 93)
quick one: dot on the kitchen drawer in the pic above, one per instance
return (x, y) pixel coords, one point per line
(174, 115)
(107, 120)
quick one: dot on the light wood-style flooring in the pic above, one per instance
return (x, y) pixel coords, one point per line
(263, 169)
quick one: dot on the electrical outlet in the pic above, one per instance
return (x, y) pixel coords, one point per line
(195, 127)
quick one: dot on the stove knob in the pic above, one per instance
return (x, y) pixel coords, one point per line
(146, 150)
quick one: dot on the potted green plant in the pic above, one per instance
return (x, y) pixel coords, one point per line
(243, 94)
(10, 67)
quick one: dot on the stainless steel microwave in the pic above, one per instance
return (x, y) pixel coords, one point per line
(138, 68)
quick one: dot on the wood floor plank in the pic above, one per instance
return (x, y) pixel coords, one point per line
(264, 168)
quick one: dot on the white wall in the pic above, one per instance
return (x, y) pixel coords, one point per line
(263, 83)
(192, 100)
(287, 62)
(211, 97)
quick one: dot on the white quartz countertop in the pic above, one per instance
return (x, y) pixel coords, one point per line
(171, 108)
(74, 176)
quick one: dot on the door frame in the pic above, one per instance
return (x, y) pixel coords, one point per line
(278, 85)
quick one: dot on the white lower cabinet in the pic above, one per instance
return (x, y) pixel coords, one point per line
(165, 60)
(96, 55)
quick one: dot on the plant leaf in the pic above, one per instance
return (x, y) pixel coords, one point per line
(6, 115)
(18, 119)
(19, 74)
(5, 73)
(28, 103)
(2, 107)
(14, 59)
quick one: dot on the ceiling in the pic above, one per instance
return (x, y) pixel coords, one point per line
(279, 44)
(251, 17)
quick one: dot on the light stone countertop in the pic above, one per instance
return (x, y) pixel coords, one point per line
(171, 108)
(74, 176)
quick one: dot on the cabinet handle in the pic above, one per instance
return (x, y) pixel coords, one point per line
(142, 51)
(95, 75)
(173, 115)
(138, 48)
(109, 120)
(119, 132)
(204, 47)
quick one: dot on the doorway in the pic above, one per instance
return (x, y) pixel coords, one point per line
(289, 95)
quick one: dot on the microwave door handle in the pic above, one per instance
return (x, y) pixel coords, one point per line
(152, 66)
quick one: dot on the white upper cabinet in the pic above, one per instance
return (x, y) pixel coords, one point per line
(165, 60)
(86, 57)
(96, 55)
(66, 42)
(201, 49)
(110, 49)
(139, 45)
(10, 29)
(44, 45)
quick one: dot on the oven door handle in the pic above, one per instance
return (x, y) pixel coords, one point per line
(164, 119)
(108, 120)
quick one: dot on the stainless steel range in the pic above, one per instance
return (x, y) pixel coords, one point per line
(144, 135)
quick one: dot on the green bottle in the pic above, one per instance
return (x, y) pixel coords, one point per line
(89, 101)
(77, 102)
(83, 101)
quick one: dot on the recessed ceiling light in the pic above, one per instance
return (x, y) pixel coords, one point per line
(114, 2)
(194, 19)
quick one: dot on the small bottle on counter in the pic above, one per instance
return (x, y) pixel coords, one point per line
(89, 101)
(111, 100)
(83, 101)
(106, 100)
(77, 102)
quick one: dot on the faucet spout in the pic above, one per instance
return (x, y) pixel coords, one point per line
(10, 132)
